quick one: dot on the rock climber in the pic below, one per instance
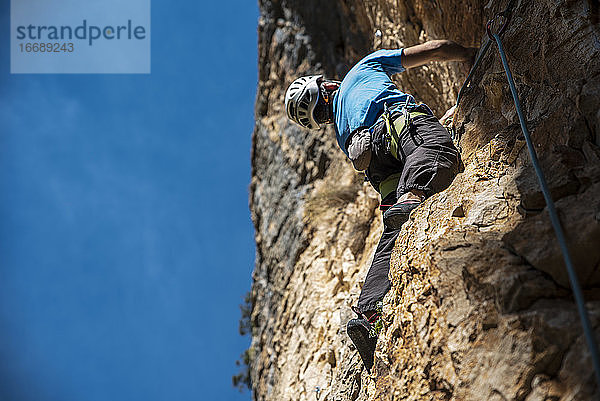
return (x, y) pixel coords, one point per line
(405, 152)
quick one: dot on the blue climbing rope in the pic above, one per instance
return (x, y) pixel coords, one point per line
(579, 300)
(451, 128)
(480, 55)
(482, 51)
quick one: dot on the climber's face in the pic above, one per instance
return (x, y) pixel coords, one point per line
(324, 109)
(323, 113)
(329, 87)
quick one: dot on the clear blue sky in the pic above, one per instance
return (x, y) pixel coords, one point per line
(126, 243)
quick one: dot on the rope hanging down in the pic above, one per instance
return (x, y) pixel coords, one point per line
(578, 294)
(482, 51)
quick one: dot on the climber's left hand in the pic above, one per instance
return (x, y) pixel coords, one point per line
(447, 118)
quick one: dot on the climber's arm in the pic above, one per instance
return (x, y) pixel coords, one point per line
(436, 50)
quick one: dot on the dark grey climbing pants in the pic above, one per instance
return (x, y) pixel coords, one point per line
(429, 161)
(377, 283)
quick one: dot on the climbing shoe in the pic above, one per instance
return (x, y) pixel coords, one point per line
(398, 214)
(363, 332)
(358, 331)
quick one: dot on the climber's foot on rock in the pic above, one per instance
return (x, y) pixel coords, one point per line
(359, 330)
(398, 214)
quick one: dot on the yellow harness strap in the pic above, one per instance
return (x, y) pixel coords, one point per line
(389, 185)
(393, 129)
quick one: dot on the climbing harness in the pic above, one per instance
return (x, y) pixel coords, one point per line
(395, 128)
(398, 121)
(391, 137)
(578, 294)
(389, 185)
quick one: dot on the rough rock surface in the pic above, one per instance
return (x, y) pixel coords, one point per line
(480, 307)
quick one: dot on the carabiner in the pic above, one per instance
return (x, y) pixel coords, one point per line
(488, 27)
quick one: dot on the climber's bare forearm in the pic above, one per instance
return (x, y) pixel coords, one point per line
(436, 50)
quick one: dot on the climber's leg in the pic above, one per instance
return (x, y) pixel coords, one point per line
(432, 160)
(431, 163)
(364, 329)
(377, 283)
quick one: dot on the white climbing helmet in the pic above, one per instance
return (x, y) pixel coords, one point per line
(300, 101)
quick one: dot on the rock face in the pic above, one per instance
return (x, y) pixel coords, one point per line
(480, 307)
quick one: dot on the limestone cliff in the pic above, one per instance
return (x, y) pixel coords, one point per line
(480, 307)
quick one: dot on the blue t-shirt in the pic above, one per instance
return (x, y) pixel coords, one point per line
(365, 89)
